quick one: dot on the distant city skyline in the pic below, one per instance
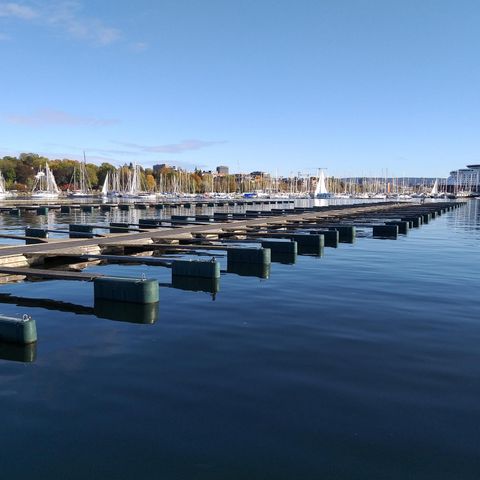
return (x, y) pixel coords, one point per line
(357, 87)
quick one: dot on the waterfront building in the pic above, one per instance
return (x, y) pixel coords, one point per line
(158, 168)
(222, 170)
(465, 179)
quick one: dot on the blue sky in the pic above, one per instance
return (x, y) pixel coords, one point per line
(355, 86)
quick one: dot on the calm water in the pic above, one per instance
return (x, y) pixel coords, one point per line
(362, 364)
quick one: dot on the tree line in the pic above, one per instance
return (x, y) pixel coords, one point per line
(19, 173)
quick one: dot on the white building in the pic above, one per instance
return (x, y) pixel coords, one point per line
(465, 179)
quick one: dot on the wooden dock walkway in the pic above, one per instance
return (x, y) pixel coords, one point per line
(189, 230)
(49, 274)
(299, 219)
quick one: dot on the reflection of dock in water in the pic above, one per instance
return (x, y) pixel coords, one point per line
(18, 353)
(118, 311)
(141, 313)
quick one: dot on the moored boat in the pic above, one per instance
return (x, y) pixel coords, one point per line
(45, 185)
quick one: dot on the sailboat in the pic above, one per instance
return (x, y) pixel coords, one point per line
(81, 184)
(105, 185)
(3, 190)
(134, 187)
(111, 185)
(321, 188)
(434, 191)
(45, 185)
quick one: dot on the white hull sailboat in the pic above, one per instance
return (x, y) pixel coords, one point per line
(321, 188)
(105, 185)
(81, 184)
(111, 185)
(45, 185)
(134, 189)
(434, 192)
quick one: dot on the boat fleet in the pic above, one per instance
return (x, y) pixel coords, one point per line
(46, 187)
(131, 188)
(130, 185)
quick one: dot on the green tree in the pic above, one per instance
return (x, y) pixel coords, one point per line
(102, 171)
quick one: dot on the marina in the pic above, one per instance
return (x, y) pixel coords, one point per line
(251, 241)
(234, 349)
(239, 240)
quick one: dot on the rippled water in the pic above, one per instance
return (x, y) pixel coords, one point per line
(361, 364)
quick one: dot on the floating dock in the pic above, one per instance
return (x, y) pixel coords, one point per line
(251, 241)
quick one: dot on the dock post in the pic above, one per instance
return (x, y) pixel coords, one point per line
(416, 221)
(403, 226)
(203, 218)
(34, 232)
(123, 226)
(18, 330)
(221, 216)
(385, 231)
(42, 211)
(149, 223)
(80, 231)
(180, 218)
(259, 256)
(309, 240)
(346, 233)
(331, 237)
(196, 269)
(282, 251)
(65, 209)
(279, 246)
(129, 290)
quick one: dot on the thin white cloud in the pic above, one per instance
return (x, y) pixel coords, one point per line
(103, 151)
(69, 17)
(17, 10)
(57, 117)
(183, 146)
(66, 16)
(139, 46)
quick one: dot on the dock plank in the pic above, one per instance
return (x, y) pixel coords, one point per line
(50, 274)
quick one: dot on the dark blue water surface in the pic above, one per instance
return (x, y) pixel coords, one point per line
(361, 364)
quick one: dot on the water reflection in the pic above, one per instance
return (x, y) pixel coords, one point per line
(466, 218)
(312, 250)
(126, 312)
(284, 258)
(209, 285)
(249, 269)
(46, 304)
(122, 312)
(18, 353)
